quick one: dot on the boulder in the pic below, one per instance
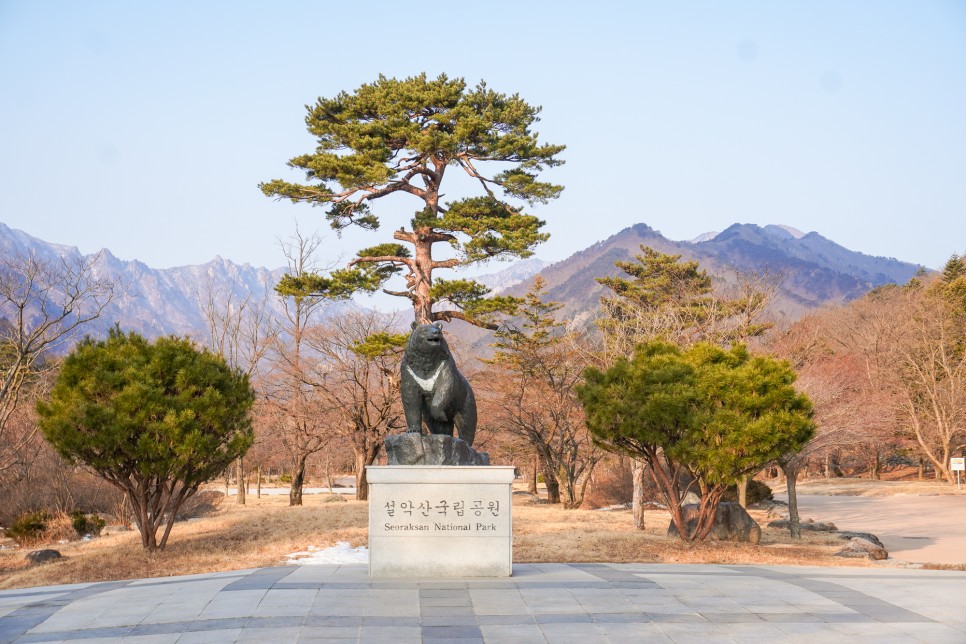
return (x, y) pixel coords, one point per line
(868, 536)
(731, 523)
(859, 547)
(42, 556)
(691, 499)
(809, 525)
(435, 449)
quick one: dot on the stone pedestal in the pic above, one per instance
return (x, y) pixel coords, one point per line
(440, 521)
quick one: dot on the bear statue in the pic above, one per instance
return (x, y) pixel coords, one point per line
(433, 391)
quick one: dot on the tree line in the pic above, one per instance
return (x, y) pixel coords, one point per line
(683, 375)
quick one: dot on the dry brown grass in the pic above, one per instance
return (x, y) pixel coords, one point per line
(264, 531)
(239, 537)
(543, 533)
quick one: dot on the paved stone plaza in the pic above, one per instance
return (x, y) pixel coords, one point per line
(581, 603)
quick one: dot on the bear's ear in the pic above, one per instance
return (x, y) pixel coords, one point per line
(438, 325)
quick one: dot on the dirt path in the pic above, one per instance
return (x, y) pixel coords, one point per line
(912, 528)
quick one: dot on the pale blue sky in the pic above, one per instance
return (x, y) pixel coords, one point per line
(145, 127)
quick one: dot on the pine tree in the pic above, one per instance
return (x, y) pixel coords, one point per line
(535, 380)
(661, 296)
(400, 137)
(154, 419)
(714, 414)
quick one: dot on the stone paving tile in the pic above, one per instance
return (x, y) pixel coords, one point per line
(445, 601)
(563, 618)
(333, 620)
(391, 633)
(290, 634)
(498, 633)
(451, 632)
(505, 620)
(329, 632)
(449, 620)
(445, 610)
(633, 633)
(573, 634)
(202, 625)
(161, 638)
(620, 618)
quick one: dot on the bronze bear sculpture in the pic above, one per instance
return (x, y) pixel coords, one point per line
(433, 390)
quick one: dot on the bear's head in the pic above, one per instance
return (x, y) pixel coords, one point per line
(426, 344)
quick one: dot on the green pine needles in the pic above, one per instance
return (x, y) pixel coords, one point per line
(401, 137)
(711, 413)
(156, 420)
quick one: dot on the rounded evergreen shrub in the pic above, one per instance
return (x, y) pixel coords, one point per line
(757, 492)
(29, 527)
(85, 524)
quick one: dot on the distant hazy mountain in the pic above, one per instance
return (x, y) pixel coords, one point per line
(158, 301)
(512, 275)
(814, 270)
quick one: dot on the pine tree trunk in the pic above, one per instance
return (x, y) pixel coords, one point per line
(794, 525)
(423, 304)
(258, 487)
(922, 469)
(637, 502)
(743, 491)
(298, 478)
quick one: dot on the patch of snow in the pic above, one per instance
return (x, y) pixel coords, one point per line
(794, 232)
(340, 553)
(703, 237)
(612, 508)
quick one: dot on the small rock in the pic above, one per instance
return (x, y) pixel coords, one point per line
(42, 556)
(858, 547)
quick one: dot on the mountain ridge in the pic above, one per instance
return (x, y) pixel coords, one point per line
(815, 271)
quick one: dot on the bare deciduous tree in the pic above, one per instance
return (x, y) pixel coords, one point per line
(357, 377)
(291, 401)
(43, 304)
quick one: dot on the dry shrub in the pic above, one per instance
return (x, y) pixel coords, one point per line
(46, 482)
(42, 527)
(612, 484)
(60, 528)
(201, 504)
